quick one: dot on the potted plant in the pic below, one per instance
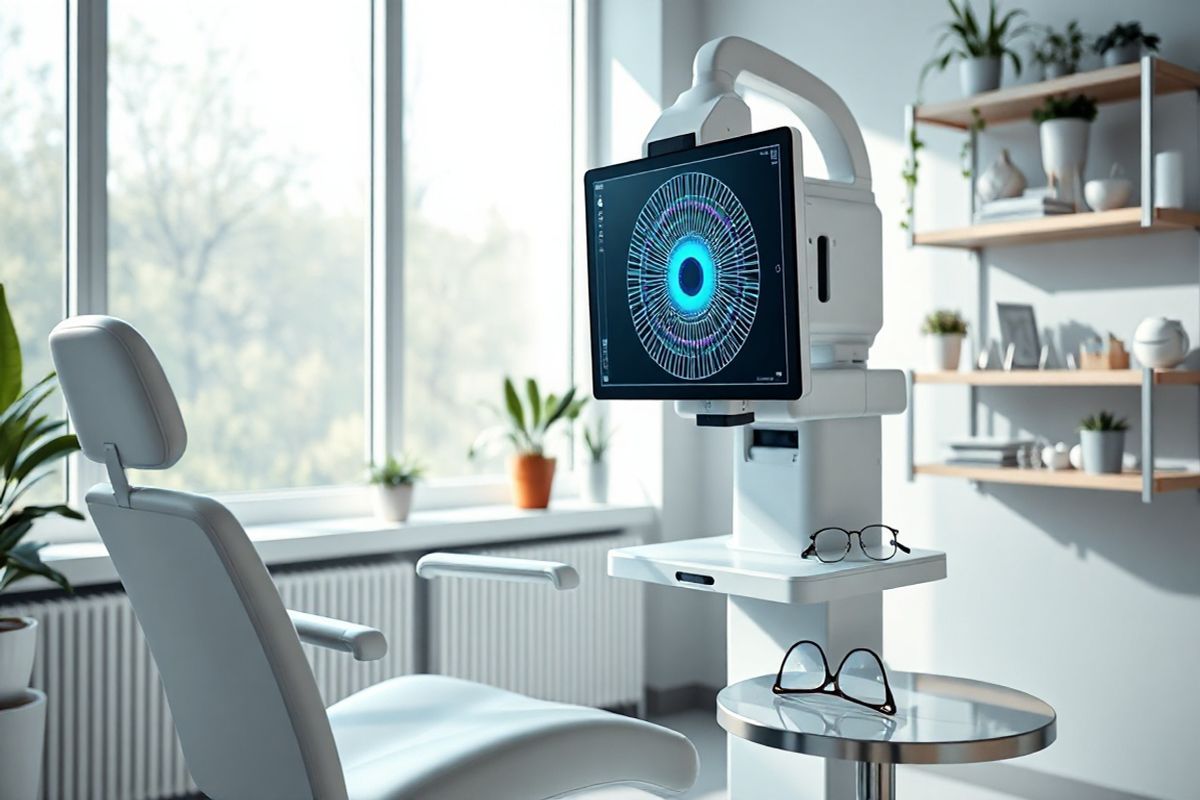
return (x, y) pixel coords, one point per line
(30, 444)
(596, 440)
(945, 331)
(1063, 126)
(979, 48)
(1102, 439)
(394, 480)
(1125, 43)
(525, 429)
(1059, 52)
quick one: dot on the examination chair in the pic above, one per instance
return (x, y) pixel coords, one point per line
(243, 697)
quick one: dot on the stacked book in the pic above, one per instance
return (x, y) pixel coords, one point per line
(988, 452)
(1025, 207)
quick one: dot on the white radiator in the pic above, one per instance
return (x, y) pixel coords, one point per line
(109, 734)
(585, 646)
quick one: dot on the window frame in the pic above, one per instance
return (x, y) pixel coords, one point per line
(86, 263)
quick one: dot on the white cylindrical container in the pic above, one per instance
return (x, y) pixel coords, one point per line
(22, 738)
(1064, 143)
(980, 74)
(595, 481)
(1168, 179)
(945, 349)
(392, 503)
(18, 643)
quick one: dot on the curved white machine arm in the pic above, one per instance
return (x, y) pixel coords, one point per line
(519, 570)
(713, 110)
(365, 644)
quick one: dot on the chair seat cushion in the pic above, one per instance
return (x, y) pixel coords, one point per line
(438, 738)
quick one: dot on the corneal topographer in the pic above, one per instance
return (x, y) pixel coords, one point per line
(860, 678)
(831, 545)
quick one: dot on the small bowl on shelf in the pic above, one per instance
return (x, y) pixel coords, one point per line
(1105, 194)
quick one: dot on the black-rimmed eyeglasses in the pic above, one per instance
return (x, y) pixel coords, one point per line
(860, 678)
(878, 542)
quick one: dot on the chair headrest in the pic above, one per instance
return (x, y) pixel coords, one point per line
(117, 392)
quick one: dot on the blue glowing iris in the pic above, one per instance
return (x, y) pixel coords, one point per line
(691, 275)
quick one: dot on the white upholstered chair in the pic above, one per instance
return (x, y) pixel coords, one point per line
(244, 700)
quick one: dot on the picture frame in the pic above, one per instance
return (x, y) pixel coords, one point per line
(1019, 331)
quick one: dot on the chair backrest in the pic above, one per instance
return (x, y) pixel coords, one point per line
(241, 692)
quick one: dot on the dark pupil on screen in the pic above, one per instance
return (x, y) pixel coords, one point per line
(691, 277)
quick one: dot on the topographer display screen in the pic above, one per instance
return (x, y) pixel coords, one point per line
(692, 273)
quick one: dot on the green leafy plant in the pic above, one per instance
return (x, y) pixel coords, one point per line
(1127, 33)
(404, 470)
(943, 322)
(965, 36)
(909, 174)
(1061, 47)
(30, 444)
(1103, 421)
(1078, 107)
(528, 421)
(597, 439)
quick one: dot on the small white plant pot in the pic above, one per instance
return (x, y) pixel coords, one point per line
(392, 503)
(1057, 69)
(22, 739)
(1064, 156)
(18, 644)
(595, 481)
(1103, 451)
(1122, 54)
(944, 350)
(978, 75)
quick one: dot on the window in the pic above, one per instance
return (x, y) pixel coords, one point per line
(487, 272)
(32, 181)
(239, 145)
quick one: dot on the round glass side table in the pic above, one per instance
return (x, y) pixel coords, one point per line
(938, 720)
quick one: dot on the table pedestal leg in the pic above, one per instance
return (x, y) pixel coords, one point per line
(876, 781)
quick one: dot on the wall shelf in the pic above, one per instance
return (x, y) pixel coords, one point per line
(1108, 85)
(1059, 377)
(1162, 480)
(1061, 227)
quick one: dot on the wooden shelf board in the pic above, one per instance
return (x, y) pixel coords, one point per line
(1164, 481)
(1061, 227)
(1108, 85)
(1059, 377)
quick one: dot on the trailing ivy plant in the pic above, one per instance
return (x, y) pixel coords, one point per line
(913, 162)
(31, 442)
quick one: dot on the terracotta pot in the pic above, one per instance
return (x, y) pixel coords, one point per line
(532, 478)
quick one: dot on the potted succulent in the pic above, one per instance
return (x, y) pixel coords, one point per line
(1124, 43)
(596, 440)
(31, 442)
(978, 45)
(1059, 51)
(1102, 440)
(945, 331)
(525, 428)
(1063, 126)
(394, 481)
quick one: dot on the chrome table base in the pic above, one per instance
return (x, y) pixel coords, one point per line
(875, 781)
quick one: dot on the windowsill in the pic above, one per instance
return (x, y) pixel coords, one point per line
(87, 563)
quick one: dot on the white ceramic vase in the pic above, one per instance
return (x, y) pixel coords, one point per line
(22, 737)
(392, 503)
(944, 350)
(1161, 343)
(18, 644)
(595, 481)
(1122, 54)
(1064, 156)
(978, 75)
(1103, 451)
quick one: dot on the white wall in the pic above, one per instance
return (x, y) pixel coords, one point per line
(1070, 595)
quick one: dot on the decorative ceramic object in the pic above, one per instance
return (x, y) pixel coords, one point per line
(1049, 357)
(595, 481)
(981, 74)
(1102, 451)
(22, 735)
(18, 644)
(1000, 179)
(1064, 143)
(1108, 193)
(1160, 342)
(944, 350)
(989, 356)
(1056, 456)
(1075, 456)
(392, 503)
(1168, 179)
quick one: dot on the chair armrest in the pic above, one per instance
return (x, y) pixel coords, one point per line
(365, 644)
(519, 570)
